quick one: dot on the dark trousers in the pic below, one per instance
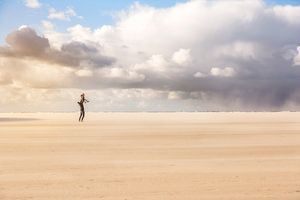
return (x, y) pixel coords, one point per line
(82, 113)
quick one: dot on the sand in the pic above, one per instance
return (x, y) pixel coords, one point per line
(151, 156)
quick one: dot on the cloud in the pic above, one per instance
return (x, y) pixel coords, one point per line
(245, 58)
(120, 75)
(80, 33)
(25, 43)
(225, 72)
(156, 63)
(165, 67)
(288, 13)
(47, 25)
(173, 95)
(297, 57)
(4, 79)
(199, 75)
(238, 50)
(62, 15)
(85, 72)
(22, 73)
(245, 35)
(32, 3)
(182, 57)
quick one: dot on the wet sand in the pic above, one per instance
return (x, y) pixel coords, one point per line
(151, 156)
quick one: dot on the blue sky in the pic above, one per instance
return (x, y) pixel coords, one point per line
(95, 13)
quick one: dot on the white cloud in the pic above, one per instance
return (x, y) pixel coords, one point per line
(166, 66)
(199, 75)
(173, 95)
(184, 25)
(297, 57)
(289, 13)
(62, 15)
(80, 33)
(48, 26)
(222, 72)
(182, 57)
(32, 3)
(22, 27)
(120, 75)
(156, 63)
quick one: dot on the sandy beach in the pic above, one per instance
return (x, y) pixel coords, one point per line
(150, 156)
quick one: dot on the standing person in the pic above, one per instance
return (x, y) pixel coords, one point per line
(81, 102)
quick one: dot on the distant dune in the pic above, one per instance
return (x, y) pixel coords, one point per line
(150, 156)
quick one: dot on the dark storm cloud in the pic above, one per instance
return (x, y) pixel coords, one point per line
(26, 43)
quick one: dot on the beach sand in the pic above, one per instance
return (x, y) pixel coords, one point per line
(150, 156)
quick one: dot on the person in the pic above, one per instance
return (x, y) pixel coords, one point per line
(81, 102)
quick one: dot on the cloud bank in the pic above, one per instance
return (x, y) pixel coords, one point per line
(198, 55)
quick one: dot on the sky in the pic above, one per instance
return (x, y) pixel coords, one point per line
(150, 55)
